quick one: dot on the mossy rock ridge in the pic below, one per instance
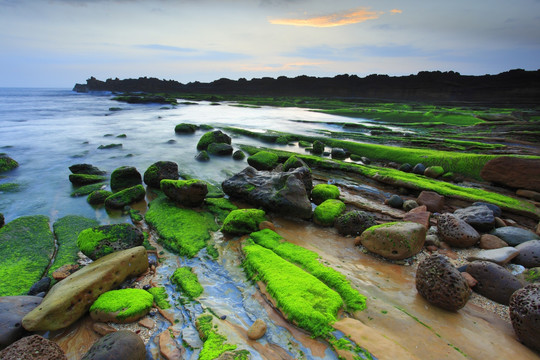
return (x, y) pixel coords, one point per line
(102, 240)
(121, 306)
(125, 197)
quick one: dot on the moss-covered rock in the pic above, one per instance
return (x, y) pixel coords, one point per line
(326, 213)
(220, 207)
(323, 192)
(122, 306)
(434, 171)
(87, 189)
(160, 297)
(202, 156)
(263, 160)
(125, 177)
(187, 282)
(67, 230)
(10, 187)
(215, 345)
(159, 171)
(238, 155)
(216, 136)
(102, 240)
(125, 197)
(85, 169)
(185, 128)
(220, 149)
(84, 179)
(304, 144)
(98, 197)
(243, 221)
(318, 147)
(292, 163)
(26, 248)
(189, 193)
(7, 163)
(183, 231)
(354, 222)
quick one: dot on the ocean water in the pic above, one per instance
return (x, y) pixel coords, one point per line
(48, 130)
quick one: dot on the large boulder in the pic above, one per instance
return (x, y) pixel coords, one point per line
(529, 254)
(395, 240)
(159, 171)
(190, 193)
(354, 222)
(243, 221)
(525, 315)
(514, 236)
(125, 177)
(216, 136)
(119, 345)
(102, 240)
(12, 310)
(479, 217)
(441, 284)
(283, 192)
(513, 172)
(494, 281)
(456, 232)
(71, 298)
(33, 347)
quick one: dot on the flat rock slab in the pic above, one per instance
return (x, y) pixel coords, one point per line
(12, 310)
(499, 256)
(369, 205)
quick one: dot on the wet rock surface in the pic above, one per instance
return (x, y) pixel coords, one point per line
(494, 281)
(525, 315)
(441, 284)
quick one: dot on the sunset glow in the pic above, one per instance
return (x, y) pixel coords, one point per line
(338, 19)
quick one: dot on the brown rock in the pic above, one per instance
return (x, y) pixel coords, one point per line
(431, 248)
(525, 315)
(168, 347)
(33, 347)
(488, 241)
(469, 279)
(257, 330)
(267, 225)
(456, 232)
(433, 201)
(419, 217)
(494, 281)
(499, 222)
(395, 240)
(449, 253)
(64, 271)
(513, 172)
(499, 256)
(528, 194)
(102, 328)
(147, 323)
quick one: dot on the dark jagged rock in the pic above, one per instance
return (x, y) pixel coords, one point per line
(33, 347)
(184, 128)
(125, 177)
(354, 222)
(86, 169)
(119, 345)
(441, 284)
(525, 315)
(12, 310)
(160, 170)
(479, 217)
(282, 192)
(494, 281)
(189, 193)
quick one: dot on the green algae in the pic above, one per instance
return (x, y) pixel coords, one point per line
(10, 187)
(160, 297)
(187, 282)
(87, 189)
(243, 221)
(326, 213)
(263, 160)
(67, 230)
(127, 302)
(125, 197)
(183, 231)
(292, 163)
(323, 192)
(26, 249)
(7, 163)
(85, 179)
(98, 197)
(309, 261)
(303, 298)
(220, 207)
(99, 241)
(214, 343)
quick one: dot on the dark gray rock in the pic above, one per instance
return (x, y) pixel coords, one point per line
(419, 169)
(160, 170)
(189, 193)
(514, 236)
(202, 156)
(529, 254)
(220, 149)
(479, 217)
(284, 192)
(86, 169)
(354, 222)
(125, 177)
(525, 315)
(497, 212)
(108, 238)
(318, 147)
(2, 220)
(441, 284)
(406, 167)
(40, 286)
(395, 201)
(12, 310)
(499, 256)
(338, 154)
(119, 345)
(238, 155)
(213, 137)
(494, 281)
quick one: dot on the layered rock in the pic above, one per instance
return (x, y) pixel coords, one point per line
(69, 299)
(396, 240)
(513, 172)
(284, 192)
(441, 284)
(456, 232)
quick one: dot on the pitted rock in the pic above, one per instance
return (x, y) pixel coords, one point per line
(494, 281)
(456, 232)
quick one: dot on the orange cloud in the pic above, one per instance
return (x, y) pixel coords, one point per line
(396, 11)
(338, 19)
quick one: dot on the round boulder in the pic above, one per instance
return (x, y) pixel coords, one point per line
(185, 128)
(318, 147)
(243, 221)
(456, 232)
(257, 330)
(479, 217)
(220, 149)
(216, 136)
(394, 201)
(326, 213)
(441, 284)
(119, 345)
(395, 240)
(323, 192)
(159, 171)
(354, 222)
(529, 254)
(525, 315)
(202, 156)
(238, 155)
(419, 169)
(189, 193)
(125, 177)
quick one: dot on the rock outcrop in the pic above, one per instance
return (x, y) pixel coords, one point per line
(513, 172)
(395, 240)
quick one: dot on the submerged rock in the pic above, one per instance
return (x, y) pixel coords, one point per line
(441, 284)
(238, 155)
(71, 298)
(185, 128)
(33, 347)
(395, 240)
(7, 163)
(85, 169)
(202, 156)
(160, 170)
(119, 345)
(283, 192)
(525, 315)
(220, 149)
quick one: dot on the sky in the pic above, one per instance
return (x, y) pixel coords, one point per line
(57, 43)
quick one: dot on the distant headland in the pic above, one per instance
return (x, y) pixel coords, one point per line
(511, 87)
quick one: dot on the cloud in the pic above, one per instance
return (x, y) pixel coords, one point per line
(396, 11)
(353, 16)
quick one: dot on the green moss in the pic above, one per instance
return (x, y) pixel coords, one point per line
(210, 137)
(238, 155)
(263, 160)
(125, 197)
(326, 213)
(304, 299)
(87, 189)
(160, 297)
(282, 140)
(214, 343)
(85, 179)
(26, 248)
(183, 231)
(98, 197)
(187, 282)
(99, 241)
(323, 192)
(127, 302)
(292, 163)
(220, 207)
(308, 260)
(243, 221)
(532, 275)
(67, 230)
(185, 128)
(304, 144)
(318, 147)
(135, 215)
(9, 187)
(7, 163)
